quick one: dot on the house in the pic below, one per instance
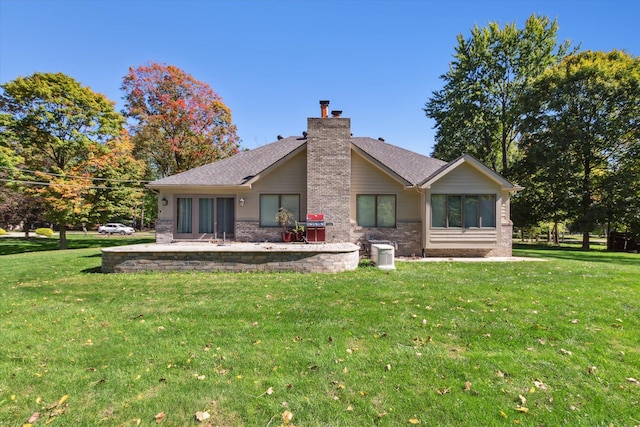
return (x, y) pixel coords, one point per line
(366, 188)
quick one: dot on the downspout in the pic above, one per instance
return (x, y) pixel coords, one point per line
(423, 214)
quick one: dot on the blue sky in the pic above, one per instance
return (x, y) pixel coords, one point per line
(273, 61)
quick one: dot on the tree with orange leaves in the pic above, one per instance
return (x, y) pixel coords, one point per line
(179, 123)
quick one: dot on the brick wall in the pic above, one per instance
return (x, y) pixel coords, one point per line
(329, 174)
(250, 231)
(407, 235)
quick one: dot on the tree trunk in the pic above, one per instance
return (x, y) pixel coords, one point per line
(585, 240)
(63, 237)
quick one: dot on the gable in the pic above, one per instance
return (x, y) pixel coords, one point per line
(465, 179)
(473, 167)
(287, 176)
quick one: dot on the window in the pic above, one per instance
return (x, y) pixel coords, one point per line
(376, 210)
(463, 210)
(270, 203)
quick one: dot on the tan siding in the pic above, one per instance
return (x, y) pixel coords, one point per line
(288, 178)
(369, 179)
(463, 237)
(465, 179)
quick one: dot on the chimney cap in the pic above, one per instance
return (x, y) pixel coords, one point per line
(324, 102)
(336, 113)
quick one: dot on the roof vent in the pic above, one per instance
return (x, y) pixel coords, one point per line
(381, 139)
(304, 135)
(280, 137)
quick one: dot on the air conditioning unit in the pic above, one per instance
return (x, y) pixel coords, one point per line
(382, 255)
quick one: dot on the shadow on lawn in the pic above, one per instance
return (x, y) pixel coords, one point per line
(575, 254)
(18, 245)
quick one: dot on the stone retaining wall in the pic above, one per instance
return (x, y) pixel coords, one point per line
(183, 257)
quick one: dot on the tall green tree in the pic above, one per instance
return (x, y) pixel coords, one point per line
(56, 125)
(581, 133)
(477, 111)
(179, 123)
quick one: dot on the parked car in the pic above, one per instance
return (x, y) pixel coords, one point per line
(115, 227)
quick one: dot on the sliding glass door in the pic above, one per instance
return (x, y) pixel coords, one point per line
(200, 217)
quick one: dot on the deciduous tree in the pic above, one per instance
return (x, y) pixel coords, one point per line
(581, 131)
(477, 110)
(57, 126)
(179, 123)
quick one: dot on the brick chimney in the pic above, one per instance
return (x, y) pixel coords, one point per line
(329, 172)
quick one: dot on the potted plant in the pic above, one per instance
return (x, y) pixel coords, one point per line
(285, 218)
(298, 232)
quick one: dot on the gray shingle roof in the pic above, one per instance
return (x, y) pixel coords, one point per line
(238, 169)
(411, 166)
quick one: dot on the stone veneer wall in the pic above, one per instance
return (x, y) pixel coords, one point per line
(407, 235)
(130, 261)
(164, 231)
(329, 174)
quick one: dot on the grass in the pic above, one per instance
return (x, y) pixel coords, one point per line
(75, 240)
(527, 343)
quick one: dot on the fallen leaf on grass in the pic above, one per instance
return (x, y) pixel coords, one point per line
(633, 380)
(539, 384)
(522, 409)
(287, 416)
(414, 421)
(523, 400)
(567, 352)
(202, 416)
(467, 386)
(33, 418)
(443, 391)
(159, 417)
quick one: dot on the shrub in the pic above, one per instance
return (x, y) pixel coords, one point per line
(2, 231)
(47, 232)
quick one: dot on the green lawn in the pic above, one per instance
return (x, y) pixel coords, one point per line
(526, 343)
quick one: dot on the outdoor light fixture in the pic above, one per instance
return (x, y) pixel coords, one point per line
(165, 202)
(241, 201)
